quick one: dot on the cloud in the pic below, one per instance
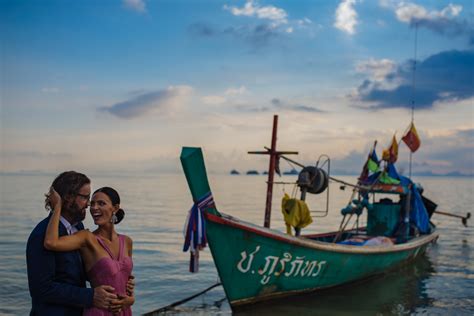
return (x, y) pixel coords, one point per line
(135, 5)
(202, 29)
(213, 99)
(279, 105)
(413, 13)
(143, 104)
(277, 16)
(36, 155)
(267, 23)
(452, 152)
(230, 93)
(444, 21)
(236, 91)
(377, 69)
(257, 36)
(441, 77)
(346, 17)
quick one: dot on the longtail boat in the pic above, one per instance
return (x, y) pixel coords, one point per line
(258, 263)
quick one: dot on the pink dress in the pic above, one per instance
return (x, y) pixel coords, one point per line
(111, 271)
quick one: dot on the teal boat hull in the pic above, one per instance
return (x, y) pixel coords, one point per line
(256, 263)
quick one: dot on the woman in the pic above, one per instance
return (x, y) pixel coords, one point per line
(107, 256)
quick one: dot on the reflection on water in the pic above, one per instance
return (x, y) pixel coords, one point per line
(442, 282)
(400, 291)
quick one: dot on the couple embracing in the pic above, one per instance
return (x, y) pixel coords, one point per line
(61, 255)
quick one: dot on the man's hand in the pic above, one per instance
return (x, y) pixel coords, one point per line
(121, 303)
(103, 296)
(131, 285)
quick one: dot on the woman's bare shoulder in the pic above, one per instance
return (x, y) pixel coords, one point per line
(128, 240)
(86, 234)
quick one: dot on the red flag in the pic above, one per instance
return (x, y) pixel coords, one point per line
(391, 154)
(411, 138)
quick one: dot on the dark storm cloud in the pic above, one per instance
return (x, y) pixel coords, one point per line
(444, 76)
(446, 27)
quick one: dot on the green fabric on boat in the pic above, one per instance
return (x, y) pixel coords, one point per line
(385, 178)
(372, 166)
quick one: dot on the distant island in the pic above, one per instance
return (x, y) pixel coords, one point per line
(234, 172)
(252, 172)
(291, 172)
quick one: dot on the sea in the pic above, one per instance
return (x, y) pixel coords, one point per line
(439, 283)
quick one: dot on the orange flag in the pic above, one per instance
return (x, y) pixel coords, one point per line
(411, 138)
(391, 154)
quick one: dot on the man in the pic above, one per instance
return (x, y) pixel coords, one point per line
(57, 280)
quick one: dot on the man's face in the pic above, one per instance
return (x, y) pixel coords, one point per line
(77, 209)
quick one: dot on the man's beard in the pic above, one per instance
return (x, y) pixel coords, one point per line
(78, 214)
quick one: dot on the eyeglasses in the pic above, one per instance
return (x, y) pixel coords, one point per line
(84, 196)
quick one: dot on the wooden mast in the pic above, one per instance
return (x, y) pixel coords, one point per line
(274, 156)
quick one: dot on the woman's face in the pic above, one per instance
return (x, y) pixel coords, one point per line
(102, 208)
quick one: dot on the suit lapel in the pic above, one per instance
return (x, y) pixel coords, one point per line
(80, 226)
(62, 230)
(76, 253)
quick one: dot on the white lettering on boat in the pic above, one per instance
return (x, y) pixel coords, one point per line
(249, 263)
(283, 262)
(276, 266)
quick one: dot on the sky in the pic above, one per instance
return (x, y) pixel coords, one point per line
(119, 86)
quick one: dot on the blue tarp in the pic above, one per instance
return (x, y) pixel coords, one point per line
(418, 213)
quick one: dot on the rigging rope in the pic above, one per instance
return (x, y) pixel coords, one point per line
(172, 305)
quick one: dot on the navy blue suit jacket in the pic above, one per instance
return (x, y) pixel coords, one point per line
(57, 280)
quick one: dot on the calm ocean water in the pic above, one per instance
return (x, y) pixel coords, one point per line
(440, 283)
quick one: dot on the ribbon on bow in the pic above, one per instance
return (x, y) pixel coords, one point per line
(195, 230)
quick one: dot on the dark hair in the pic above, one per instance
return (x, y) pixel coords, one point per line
(115, 198)
(68, 183)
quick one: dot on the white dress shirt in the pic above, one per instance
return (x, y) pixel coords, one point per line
(71, 229)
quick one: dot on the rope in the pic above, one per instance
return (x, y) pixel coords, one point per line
(172, 305)
(355, 186)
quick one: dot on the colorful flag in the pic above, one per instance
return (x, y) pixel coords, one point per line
(411, 138)
(391, 154)
(373, 162)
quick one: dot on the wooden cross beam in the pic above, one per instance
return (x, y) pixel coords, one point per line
(274, 155)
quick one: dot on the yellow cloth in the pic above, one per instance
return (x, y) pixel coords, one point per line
(295, 212)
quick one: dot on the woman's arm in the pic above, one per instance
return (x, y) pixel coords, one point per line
(52, 241)
(131, 278)
(129, 245)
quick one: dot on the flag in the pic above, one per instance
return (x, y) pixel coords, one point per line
(391, 154)
(373, 162)
(411, 138)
